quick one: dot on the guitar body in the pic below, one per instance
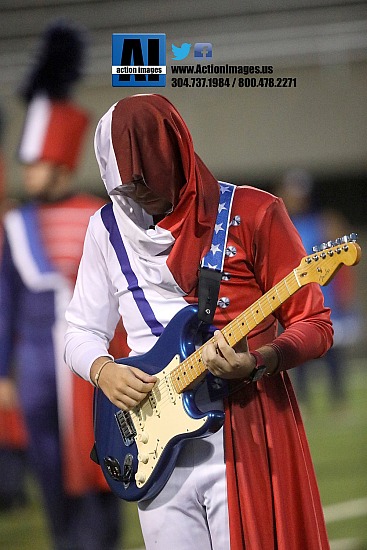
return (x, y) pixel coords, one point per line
(137, 450)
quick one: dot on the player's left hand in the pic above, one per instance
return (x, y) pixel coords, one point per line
(226, 362)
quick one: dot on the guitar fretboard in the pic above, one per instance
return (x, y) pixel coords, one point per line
(192, 368)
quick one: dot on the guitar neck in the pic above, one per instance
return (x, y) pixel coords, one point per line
(192, 368)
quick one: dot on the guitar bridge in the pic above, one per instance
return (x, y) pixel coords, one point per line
(126, 427)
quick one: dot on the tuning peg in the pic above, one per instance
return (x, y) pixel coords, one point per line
(339, 241)
(347, 239)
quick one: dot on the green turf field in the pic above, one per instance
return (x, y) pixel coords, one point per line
(338, 440)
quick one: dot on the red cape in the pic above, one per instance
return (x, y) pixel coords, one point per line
(273, 498)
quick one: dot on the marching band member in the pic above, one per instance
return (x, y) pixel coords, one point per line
(251, 484)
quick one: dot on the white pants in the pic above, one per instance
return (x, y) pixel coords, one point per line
(191, 511)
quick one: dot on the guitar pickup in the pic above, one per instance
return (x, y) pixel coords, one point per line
(126, 427)
(153, 403)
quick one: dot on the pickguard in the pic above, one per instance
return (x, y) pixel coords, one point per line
(160, 417)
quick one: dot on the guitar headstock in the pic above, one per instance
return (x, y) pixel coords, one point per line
(327, 258)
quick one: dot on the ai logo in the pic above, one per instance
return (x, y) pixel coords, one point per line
(138, 59)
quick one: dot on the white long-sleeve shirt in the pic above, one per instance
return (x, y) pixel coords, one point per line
(116, 279)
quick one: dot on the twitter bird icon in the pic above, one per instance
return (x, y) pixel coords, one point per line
(180, 52)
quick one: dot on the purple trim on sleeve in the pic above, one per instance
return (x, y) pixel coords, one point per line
(142, 303)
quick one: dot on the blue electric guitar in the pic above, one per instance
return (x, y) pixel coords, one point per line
(137, 450)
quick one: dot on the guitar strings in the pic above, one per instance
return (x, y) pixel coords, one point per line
(165, 390)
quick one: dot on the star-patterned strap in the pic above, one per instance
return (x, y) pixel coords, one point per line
(215, 257)
(212, 264)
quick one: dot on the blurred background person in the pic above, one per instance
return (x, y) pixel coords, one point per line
(42, 246)
(319, 224)
(13, 437)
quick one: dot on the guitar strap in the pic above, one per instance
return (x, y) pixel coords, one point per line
(211, 268)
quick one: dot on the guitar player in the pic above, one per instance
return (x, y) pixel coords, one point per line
(251, 483)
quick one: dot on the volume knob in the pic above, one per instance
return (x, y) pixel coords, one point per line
(139, 478)
(143, 437)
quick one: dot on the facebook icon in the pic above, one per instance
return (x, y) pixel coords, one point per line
(203, 50)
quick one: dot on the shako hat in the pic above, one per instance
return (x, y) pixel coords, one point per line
(54, 125)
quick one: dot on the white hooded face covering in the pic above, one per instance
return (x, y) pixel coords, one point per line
(151, 244)
(145, 136)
